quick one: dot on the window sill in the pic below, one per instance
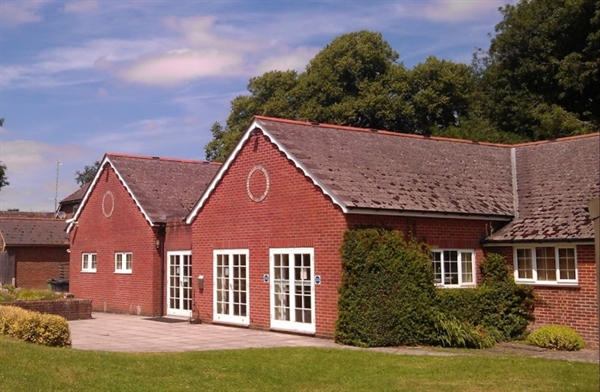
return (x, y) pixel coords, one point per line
(466, 286)
(123, 272)
(549, 284)
(88, 271)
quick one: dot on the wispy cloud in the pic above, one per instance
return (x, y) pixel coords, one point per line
(81, 6)
(455, 11)
(17, 12)
(31, 171)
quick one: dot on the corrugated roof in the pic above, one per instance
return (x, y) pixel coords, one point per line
(32, 231)
(164, 188)
(389, 171)
(555, 182)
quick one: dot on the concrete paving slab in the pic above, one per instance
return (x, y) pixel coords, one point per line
(127, 333)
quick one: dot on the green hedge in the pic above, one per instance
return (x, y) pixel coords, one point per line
(498, 302)
(387, 292)
(29, 326)
(388, 297)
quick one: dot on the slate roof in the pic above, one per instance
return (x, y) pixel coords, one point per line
(76, 196)
(555, 182)
(33, 231)
(164, 188)
(380, 170)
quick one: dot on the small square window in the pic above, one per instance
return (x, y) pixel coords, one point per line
(454, 268)
(123, 262)
(88, 262)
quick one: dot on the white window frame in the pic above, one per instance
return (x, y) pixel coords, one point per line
(442, 283)
(123, 269)
(89, 261)
(292, 325)
(534, 279)
(229, 318)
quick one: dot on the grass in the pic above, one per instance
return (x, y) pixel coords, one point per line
(27, 367)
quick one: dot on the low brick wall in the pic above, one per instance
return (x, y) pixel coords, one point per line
(71, 309)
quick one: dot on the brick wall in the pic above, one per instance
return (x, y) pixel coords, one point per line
(178, 235)
(125, 230)
(442, 233)
(35, 265)
(71, 309)
(295, 213)
(576, 307)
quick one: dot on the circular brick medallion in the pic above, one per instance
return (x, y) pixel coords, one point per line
(257, 184)
(108, 204)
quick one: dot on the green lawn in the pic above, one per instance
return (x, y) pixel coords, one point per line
(28, 367)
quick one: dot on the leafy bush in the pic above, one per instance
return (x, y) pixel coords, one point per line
(556, 337)
(36, 295)
(10, 293)
(451, 332)
(387, 293)
(29, 326)
(388, 297)
(498, 302)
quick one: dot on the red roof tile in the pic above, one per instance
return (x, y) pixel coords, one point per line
(555, 182)
(76, 196)
(33, 231)
(389, 171)
(164, 188)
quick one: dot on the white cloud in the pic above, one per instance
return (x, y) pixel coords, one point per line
(31, 172)
(295, 60)
(457, 10)
(153, 136)
(179, 66)
(51, 67)
(17, 12)
(81, 6)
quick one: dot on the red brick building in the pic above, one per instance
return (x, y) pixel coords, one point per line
(265, 228)
(129, 254)
(33, 249)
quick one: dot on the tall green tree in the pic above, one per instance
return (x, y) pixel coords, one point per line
(270, 95)
(3, 181)
(87, 174)
(356, 80)
(542, 70)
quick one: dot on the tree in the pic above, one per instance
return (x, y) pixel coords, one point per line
(87, 175)
(541, 72)
(441, 93)
(356, 80)
(3, 180)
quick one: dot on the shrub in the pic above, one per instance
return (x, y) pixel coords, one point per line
(497, 303)
(451, 332)
(387, 295)
(36, 295)
(556, 337)
(29, 326)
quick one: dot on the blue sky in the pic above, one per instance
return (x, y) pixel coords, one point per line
(81, 78)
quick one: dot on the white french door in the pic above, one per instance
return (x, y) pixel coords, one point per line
(231, 286)
(292, 289)
(179, 288)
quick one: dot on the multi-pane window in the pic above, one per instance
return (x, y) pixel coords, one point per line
(454, 267)
(123, 262)
(292, 289)
(231, 286)
(88, 262)
(547, 264)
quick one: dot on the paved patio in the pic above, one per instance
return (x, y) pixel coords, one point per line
(118, 332)
(126, 333)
